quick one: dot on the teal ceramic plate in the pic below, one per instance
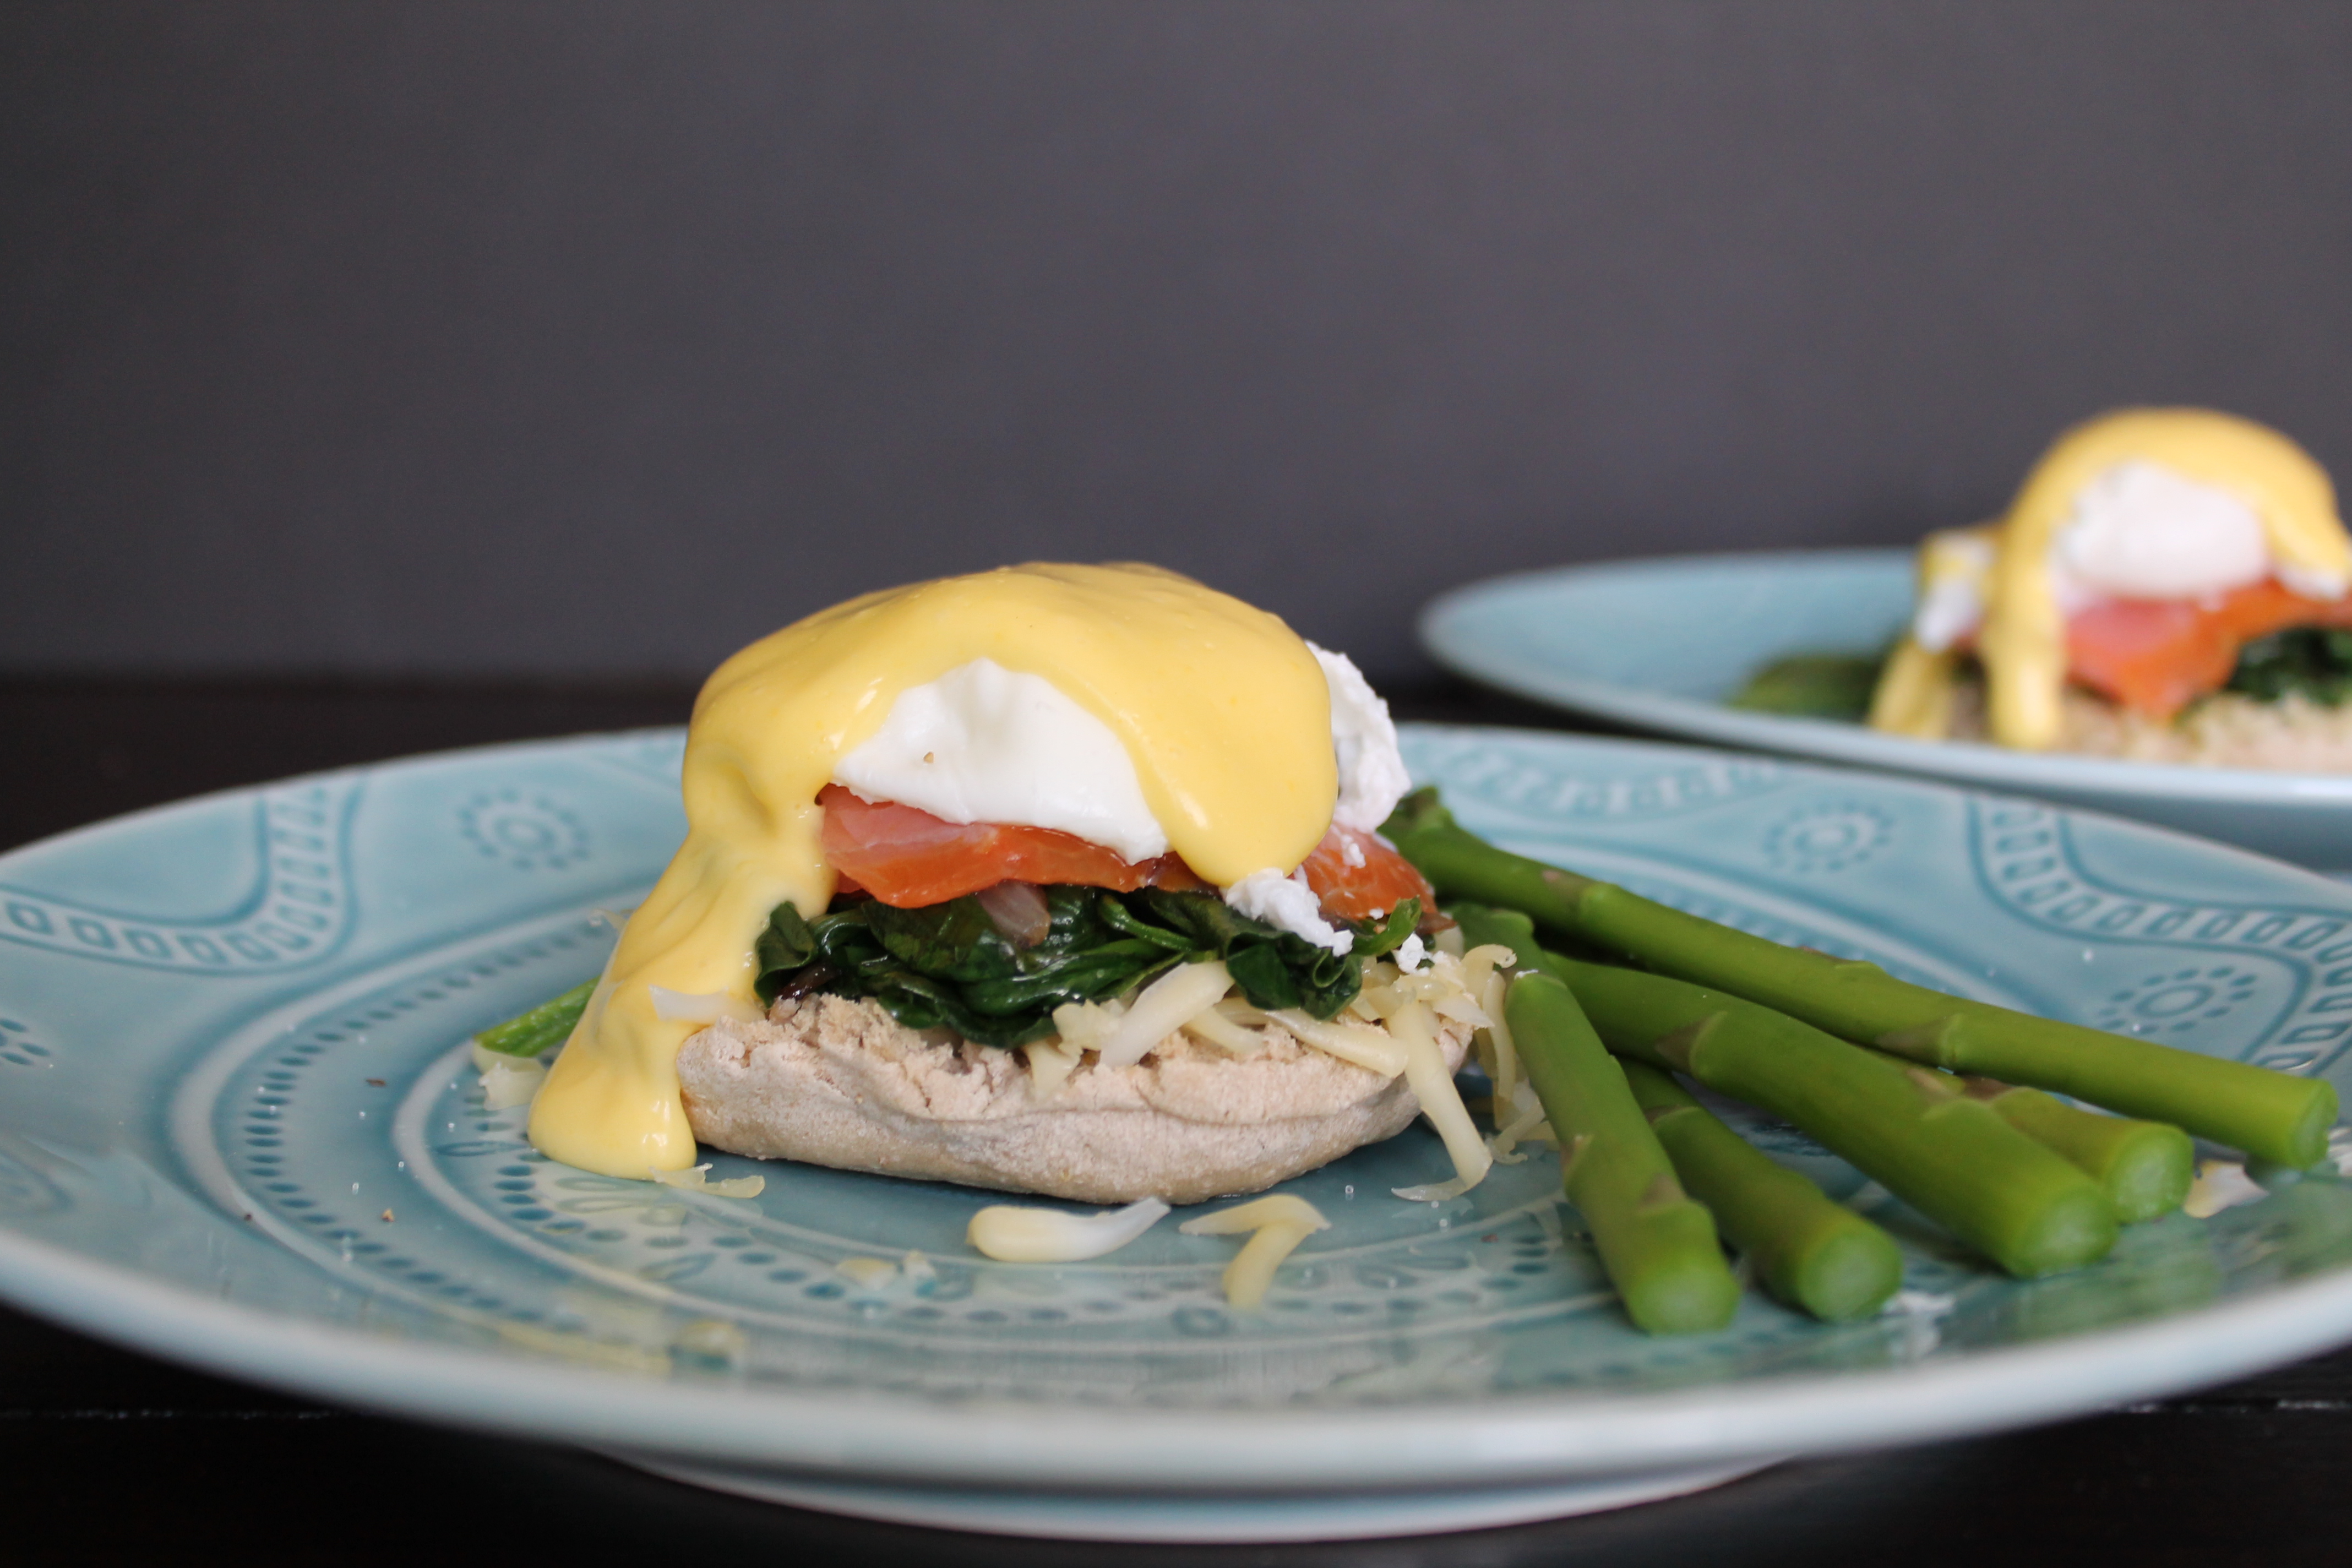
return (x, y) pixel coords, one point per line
(1660, 644)
(238, 1128)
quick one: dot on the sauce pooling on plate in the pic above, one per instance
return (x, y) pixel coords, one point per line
(1224, 712)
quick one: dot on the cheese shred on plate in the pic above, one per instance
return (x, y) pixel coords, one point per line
(1015, 1233)
(1276, 1224)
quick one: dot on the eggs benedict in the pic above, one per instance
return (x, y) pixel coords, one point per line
(2155, 564)
(1057, 879)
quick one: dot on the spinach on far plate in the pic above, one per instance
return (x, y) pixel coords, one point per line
(2316, 661)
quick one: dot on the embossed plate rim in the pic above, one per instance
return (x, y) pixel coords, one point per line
(1482, 1440)
(1502, 1439)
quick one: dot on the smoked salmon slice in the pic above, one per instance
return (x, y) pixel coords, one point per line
(2156, 657)
(909, 858)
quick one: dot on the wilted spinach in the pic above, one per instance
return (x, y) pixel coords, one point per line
(2313, 660)
(948, 965)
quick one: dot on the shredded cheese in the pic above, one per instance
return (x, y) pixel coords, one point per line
(1414, 1028)
(867, 1273)
(712, 1338)
(508, 1081)
(1013, 1232)
(2220, 1184)
(1277, 1223)
(1480, 964)
(1526, 1124)
(698, 1180)
(1437, 1192)
(1373, 1049)
(1452, 984)
(1441, 982)
(1051, 1063)
(1163, 1007)
(1518, 1115)
(1459, 1007)
(1211, 1025)
(1500, 1055)
(1086, 1026)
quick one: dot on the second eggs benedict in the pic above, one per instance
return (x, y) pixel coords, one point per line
(2150, 556)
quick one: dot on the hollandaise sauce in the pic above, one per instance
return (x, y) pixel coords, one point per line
(1223, 710)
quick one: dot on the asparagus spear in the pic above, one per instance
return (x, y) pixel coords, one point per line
(1657, 1245)
(1815, 1255)
(2272, 1115)
(2146, 1166)
(1951, 1157)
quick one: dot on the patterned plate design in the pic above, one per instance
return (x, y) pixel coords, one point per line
(240, 1128)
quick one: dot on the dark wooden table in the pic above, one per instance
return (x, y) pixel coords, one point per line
(106, 1455)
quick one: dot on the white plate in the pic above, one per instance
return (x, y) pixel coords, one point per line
(1660, 645)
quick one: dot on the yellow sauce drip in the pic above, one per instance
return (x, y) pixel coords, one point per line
(1223, 710)
(1914, 696)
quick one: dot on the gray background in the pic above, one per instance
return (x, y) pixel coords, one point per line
(596, 339)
